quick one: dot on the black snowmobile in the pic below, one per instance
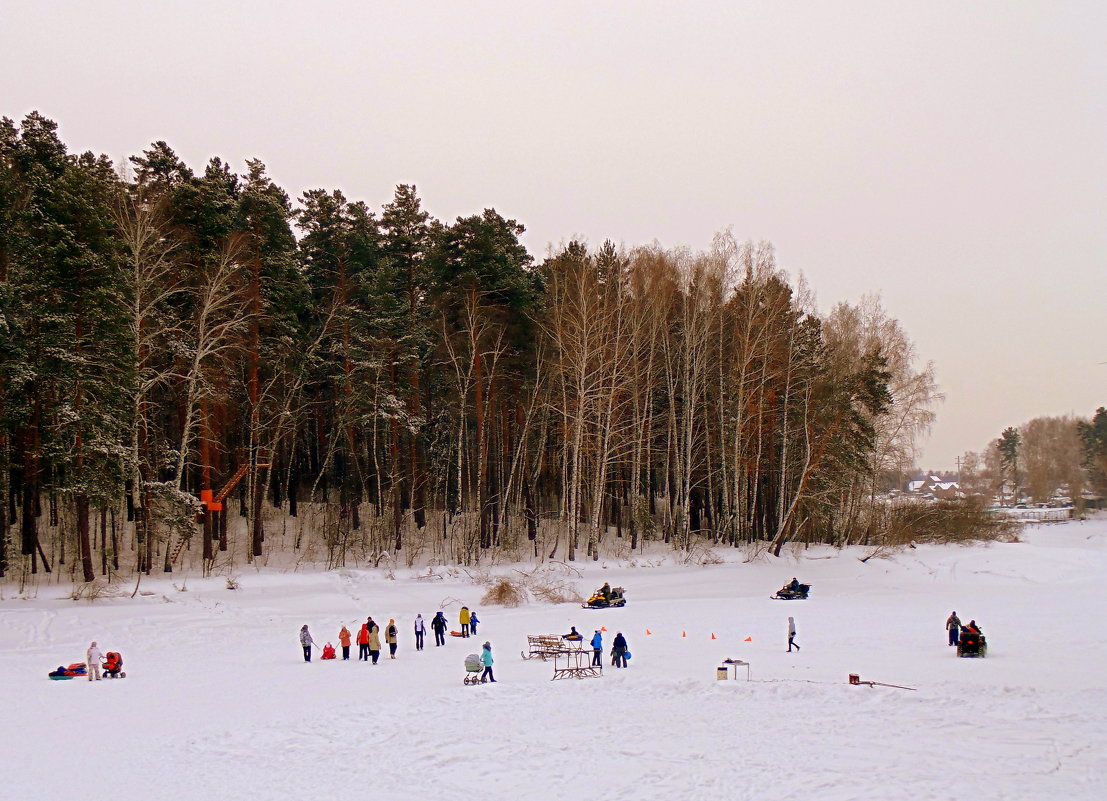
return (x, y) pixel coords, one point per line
(791, 592)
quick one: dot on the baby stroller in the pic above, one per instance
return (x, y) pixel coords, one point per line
(473, 669)
(113, 666)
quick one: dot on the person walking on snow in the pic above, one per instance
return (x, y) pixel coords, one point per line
(438, 624)
(94, 657)
(374, 642)
(473, 622)
(597, 648)
(344, 638)
(486, 660)
(953, 626)
(792, 634)
(306, 641)
(619, 650)
(363, 643)
(420, 632)
(464, 618)
(390, 637)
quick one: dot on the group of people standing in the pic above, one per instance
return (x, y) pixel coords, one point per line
(369, 636)
(619, 649)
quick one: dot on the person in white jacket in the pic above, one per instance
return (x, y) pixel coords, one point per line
(94, 657)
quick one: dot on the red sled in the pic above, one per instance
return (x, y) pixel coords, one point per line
(328, 652)
(456, 634)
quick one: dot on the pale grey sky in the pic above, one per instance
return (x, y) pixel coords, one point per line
(951, 156)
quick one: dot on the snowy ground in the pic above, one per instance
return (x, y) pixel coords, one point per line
(218, 702)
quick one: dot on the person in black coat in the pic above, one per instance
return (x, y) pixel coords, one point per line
(619, 650)
(438, 625)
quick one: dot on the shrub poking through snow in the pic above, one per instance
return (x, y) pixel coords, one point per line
(502, 591)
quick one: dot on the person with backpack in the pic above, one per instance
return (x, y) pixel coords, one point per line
(438, 624)
(363, 643)
(464, 619)
(390, 633)
(306, 641)
(597, 648)
(94, 656)
(619, 650)
(953, 626)
(420, 632)
(792, 634)
(374, 641)
(486, 660)
(344, 639)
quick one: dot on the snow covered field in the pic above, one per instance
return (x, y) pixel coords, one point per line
(218, 702)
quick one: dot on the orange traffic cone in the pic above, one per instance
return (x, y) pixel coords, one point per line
(713, 636)
(748, 639)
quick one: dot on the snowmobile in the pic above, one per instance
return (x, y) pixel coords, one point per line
(971, 644)
(113, 666)
(788, 593)
(601, 601)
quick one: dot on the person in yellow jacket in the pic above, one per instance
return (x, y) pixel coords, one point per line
(464, 619)
(344, 638)
(374, 642)
(390, 637)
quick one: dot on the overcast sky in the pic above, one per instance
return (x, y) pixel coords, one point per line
(951, 156)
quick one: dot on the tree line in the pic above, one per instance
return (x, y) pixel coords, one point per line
(192, 365)
(1043, 459)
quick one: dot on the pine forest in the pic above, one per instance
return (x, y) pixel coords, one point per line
(198, 371)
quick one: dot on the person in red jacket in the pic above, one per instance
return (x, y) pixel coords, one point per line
(363, 643)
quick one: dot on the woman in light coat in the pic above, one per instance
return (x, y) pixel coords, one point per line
(390, 633)
(374, 642)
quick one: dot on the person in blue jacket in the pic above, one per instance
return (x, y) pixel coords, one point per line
(486, 660)
(597, 648)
